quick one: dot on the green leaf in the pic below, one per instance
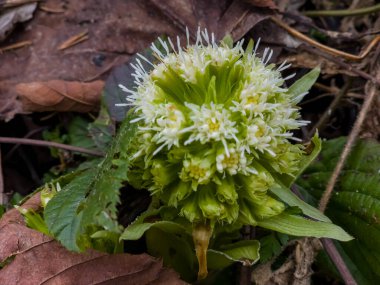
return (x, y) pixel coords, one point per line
(228, 41)
(137, 230)
(286, 195)
(175, 249)
(90, 201)
(298, 226)
(102, 195)
(61, 212)
(355, 203)
(77, 133)
(246, 252)
(303, 85)
(271, 245)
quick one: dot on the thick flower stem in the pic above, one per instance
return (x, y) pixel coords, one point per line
(201, 236)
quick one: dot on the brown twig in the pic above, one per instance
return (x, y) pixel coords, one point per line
(50, 144)
(16, 146)
(15, 46)
(330, 110)
(323, 47)
(74, 40)
(52, 10)
(344, 65)
(338, 261)
(371, 94)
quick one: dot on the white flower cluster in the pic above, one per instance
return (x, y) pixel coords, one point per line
(214, 112)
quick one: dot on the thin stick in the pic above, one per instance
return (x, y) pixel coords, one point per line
(52, 10)
(347, 148)
(74, 40)
(339, 62)
(334, 104)
(343, 13)
(325, 48)
(50, 144)
(338, 261)
(15, 46)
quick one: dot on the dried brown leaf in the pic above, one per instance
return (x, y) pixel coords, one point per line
(262, 3)
(34, 258)
(11, 17)
(59, 95)
(115, 31)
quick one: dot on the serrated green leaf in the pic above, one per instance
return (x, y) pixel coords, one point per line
(303, 84)
(90, 201)
(102, 195)
(61, 212)
(245, 252)
(299, 226)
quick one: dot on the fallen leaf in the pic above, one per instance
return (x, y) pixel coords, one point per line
(33, 258)
(239, 19)
(11, 17)
(116, 31)
(262, 3)
(127, 28)
(59, 95)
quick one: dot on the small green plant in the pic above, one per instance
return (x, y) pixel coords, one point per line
(210, 136)
(214, 137)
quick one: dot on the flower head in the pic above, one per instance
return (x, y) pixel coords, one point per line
(217, 122)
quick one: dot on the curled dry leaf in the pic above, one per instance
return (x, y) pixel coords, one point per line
(33, 258)
(11, 17)
(59, 95)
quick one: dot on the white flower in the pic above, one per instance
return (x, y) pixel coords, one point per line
(210, 123)
(212, 114)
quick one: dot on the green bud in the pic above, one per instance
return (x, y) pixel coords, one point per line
(190, 209)
(178, 192)
(211, 208)
(269, 209)
(225, 191)
(231, 212)
(163, 173)
(246, 217)
(256, 186)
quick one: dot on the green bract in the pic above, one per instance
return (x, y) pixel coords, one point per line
(210, 120)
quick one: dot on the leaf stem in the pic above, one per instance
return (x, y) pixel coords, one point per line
(50, 144)
(201, 236)
(343, 13)
(338, 261)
